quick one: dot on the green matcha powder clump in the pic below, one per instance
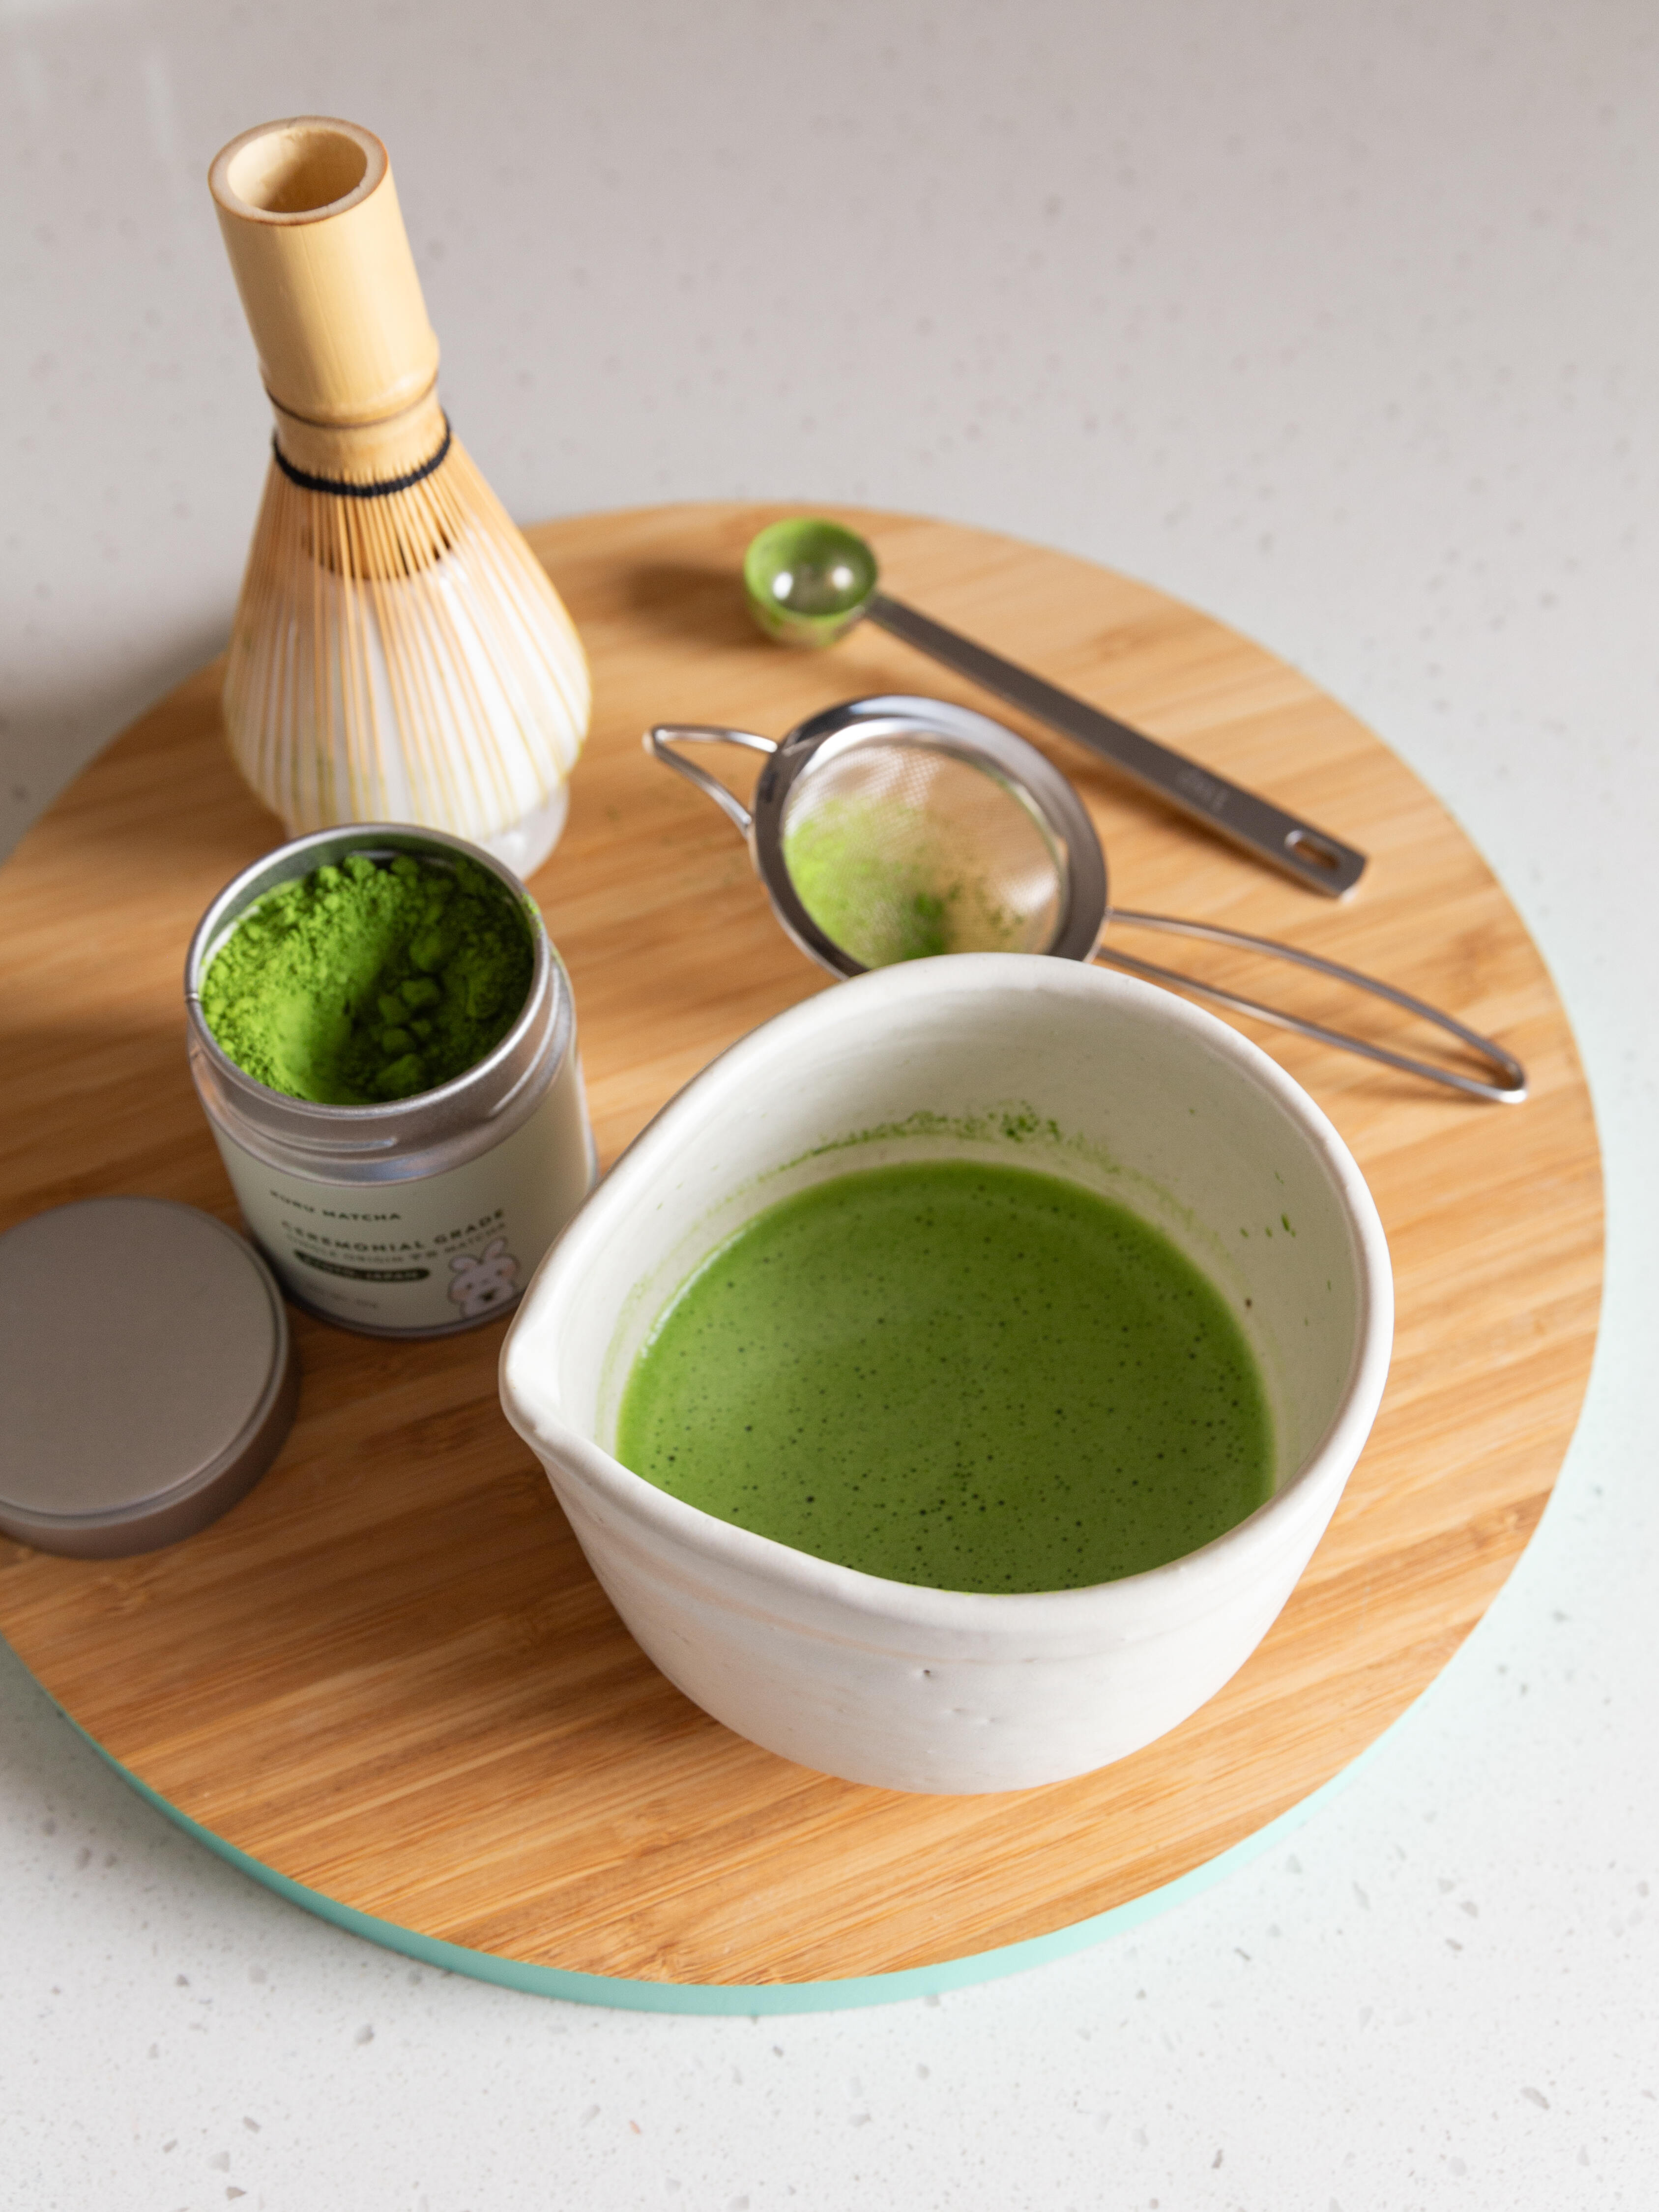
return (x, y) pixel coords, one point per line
(364, 982)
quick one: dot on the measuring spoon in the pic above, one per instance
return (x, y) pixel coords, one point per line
(808, 580)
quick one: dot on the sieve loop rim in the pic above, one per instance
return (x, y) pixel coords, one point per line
(971, 737)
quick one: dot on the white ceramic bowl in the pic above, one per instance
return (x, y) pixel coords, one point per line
(1074, 1069)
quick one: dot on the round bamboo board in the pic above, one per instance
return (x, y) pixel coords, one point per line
(386, 1682)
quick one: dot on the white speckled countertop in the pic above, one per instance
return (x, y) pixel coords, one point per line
(1339, 321)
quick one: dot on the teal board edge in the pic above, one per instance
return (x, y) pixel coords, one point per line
(748, 1999)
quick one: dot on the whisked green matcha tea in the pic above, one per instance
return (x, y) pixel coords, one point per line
(973, 1378)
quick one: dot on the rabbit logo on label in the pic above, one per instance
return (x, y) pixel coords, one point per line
(478, 1283)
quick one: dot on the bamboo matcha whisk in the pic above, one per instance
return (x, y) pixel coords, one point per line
(398, 654)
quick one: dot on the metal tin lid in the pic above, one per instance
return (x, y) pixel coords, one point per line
(146, 1375)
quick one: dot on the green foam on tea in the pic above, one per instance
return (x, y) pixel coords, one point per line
(966, 1375)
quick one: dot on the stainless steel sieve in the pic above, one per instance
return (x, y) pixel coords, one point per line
(894, 828)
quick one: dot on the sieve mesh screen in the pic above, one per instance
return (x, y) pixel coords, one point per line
(899, 848)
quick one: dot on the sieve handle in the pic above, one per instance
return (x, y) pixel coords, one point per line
(1313, 856)
(661, 743)
(1509, 1092)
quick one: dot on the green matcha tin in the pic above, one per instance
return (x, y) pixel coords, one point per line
(383, 1041)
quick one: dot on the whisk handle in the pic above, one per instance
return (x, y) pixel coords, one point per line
(310, 219)
(1312, 856)
(661, 743)
(1509, 1091)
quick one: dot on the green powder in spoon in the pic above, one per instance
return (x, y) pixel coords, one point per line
(368, 981)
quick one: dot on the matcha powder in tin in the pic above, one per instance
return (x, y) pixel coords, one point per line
(364, 982)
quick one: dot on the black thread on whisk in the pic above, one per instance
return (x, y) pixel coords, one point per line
(382, 489)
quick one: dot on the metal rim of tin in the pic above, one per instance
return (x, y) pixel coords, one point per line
(898, 718)
(405, 1139)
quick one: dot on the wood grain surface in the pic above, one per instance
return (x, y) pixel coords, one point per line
(388, 1674)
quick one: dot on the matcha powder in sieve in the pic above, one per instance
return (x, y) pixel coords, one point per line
(364, 982)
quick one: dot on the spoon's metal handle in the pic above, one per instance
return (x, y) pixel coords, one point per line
(1313, 856)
